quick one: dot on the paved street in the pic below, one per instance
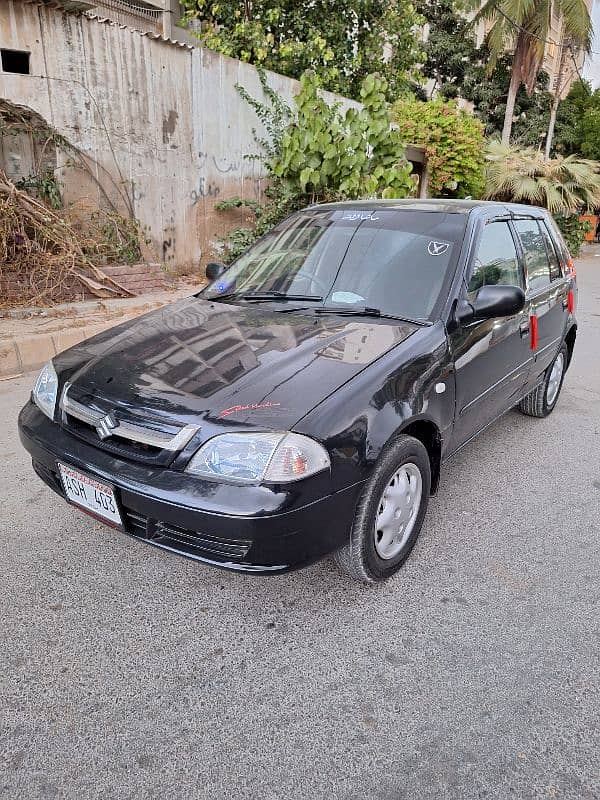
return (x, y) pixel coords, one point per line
(474, 673)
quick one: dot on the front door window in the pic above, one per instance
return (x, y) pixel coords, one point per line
(496, 261)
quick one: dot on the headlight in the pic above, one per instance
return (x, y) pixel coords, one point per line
(45, 390)
(259, 457)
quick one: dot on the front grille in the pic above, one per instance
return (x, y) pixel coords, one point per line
(128, 432)
(190, 543)
(130, 450)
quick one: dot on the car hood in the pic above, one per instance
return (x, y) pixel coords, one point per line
(244, 364)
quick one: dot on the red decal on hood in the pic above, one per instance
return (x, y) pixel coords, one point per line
(250, 407)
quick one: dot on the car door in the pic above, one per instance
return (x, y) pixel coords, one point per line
(492, 357)
(547, 290)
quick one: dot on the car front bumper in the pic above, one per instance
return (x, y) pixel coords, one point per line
(245, 528)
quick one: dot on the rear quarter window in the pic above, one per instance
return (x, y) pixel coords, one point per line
(558, 239)
(555, 268)
(537, 263)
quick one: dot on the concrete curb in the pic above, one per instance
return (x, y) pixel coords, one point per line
(24, 354)
(21, 353)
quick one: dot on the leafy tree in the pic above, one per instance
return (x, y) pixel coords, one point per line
(343, 41)
(578, 122)
(489, 93)
(589, 127)
(453, 141)
(523, 27)
(450, 47)
(458, 69)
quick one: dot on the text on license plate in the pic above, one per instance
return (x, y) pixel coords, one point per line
(88, 493)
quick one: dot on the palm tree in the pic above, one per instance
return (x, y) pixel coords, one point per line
(563, 185)
(523, 26)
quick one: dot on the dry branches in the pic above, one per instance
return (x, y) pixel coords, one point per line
(47, 256)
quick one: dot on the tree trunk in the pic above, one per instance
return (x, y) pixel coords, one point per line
(515, 82)
(551, 124)
(555, 103)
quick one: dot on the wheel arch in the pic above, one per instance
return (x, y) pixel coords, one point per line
(428, 433)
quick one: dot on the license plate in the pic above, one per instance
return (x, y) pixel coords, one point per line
(91, 495)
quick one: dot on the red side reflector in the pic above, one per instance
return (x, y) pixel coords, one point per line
(571, 301)
(533, 332)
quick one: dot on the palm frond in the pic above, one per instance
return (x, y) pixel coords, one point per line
(577, 21)
(562, 185)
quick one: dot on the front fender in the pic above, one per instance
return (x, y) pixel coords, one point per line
(412, 382)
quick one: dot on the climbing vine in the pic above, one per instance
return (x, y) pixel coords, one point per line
(44, 185)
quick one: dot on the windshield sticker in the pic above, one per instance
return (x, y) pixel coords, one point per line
(361, 215)
(437, 248)
(250, 407)
(347, 297)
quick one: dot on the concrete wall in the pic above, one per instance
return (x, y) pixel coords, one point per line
(159, 121)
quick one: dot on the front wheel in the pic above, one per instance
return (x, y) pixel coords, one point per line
(541, 401)
(389, 514)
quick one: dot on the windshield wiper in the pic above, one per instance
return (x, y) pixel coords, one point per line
(219, 297)
(368, 311)
(258, 297)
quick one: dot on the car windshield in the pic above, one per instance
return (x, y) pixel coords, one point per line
(396, 261)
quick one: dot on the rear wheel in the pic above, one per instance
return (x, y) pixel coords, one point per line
(541, 401)
(389, 514)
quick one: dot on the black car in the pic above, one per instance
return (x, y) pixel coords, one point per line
(302, 404)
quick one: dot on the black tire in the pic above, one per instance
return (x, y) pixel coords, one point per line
(536, 404)
(359, 557)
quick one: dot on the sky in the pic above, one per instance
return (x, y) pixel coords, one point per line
(591, 69)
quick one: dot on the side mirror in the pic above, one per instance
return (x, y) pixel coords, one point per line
(493, 301)
(214, 270)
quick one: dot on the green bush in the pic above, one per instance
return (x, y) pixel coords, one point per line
(573, 230)
(453, 141)
(326, 154)
(317, 153)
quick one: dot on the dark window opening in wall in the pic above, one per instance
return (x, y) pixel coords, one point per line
(15, 61)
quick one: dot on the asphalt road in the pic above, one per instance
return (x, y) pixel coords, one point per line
(474, 673)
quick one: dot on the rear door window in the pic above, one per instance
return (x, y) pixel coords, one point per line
(496, 261)
(537, 263)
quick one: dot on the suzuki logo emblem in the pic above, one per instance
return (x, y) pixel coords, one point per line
(106, 426)
(437, 248)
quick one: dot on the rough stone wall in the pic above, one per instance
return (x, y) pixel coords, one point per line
(162, 124)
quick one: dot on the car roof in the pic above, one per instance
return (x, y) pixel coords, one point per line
(443, 205)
